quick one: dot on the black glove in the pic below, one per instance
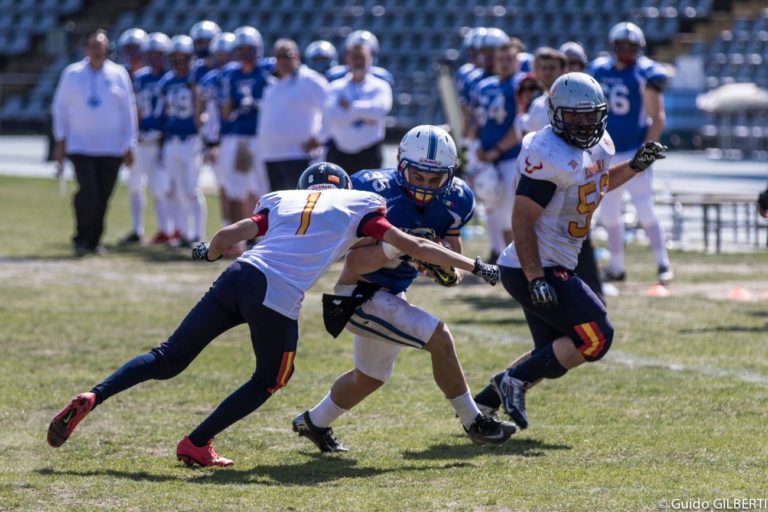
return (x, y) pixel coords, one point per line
(648, 153)
(542, 293)
(487, 272)
(200, 252)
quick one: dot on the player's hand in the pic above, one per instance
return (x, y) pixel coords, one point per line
(200, 252)
(542, 293)
(648, 153)
(487, 272)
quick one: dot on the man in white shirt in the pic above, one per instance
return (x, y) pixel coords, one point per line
(355, 114)
(95, 126)
(291, 116)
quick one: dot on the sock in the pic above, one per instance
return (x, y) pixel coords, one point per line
(466, 408)
(199, 211)
(541, 364)
(242, 402)
(163, 212)
(657, 244)
(137, 212)
(135, 371)
(325, 412)
(488, 397)
(616, 247)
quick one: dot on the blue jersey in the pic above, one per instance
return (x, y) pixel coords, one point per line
(244, 91)
(525, 62)
(468, 93)
(495, 112)
(462, 74)
(178, 99)
(199, 70)
(210, 89)
(443, 216)
(627, 120)
(341, 71)
(146, 85)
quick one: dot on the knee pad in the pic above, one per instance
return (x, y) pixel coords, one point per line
(596, 338)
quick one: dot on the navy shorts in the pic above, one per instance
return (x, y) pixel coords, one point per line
(237, 297)
(580, 314)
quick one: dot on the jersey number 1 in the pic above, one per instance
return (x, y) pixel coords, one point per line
(586, 206)
(307, 212)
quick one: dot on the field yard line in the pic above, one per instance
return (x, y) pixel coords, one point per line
(619, 357)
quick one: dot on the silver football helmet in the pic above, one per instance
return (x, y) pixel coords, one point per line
(321, 56)
(364, 37)
(574, 52)
(626, 32)
(132, 36)
(156, 42)
(577, 109)
(248, 40)
(204, 30)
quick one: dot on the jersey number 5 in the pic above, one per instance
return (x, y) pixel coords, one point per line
(586, 206)
(307, 212)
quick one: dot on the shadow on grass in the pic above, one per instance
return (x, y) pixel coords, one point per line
(320, 469)
(489, 321)
(723, 328)
(525, 447)
(484, 301)
(63, 253)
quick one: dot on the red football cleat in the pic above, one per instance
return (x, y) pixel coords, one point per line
(190, 454)
(160, 238)
(64, 423)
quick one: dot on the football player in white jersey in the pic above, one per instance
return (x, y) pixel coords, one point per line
(564, 173)
(304, 231)
(422, 196)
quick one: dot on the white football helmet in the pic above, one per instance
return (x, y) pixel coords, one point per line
(204, 30)
(321, 56)
(426, 149)
(248, 37)
(486, 184)
(156, 42)
(364, 37)
(578, 93)
(132, 36)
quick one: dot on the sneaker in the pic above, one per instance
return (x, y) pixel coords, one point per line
(64, 423)
(614, 276)
(665, 274)
(160, 238)
(487, 430)
(511, 391)
(190, 454)
(131, 238)
(322, 437)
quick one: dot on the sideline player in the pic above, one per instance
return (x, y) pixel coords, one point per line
(633, 85)
(304, 231)
(564, 173)
(129, 45)
(422, 196)
(320, 56)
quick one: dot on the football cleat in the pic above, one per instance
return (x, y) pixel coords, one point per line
(487, 430)
(160, 238)
(511, 391)
(665, 274)
(615, 276)
(64, 423)
(131, 238)
(189, 454)
(322, 437)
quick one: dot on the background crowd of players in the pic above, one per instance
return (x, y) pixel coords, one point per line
(206, 97)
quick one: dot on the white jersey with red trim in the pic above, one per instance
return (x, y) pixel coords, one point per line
(581, 180)
(307, 231)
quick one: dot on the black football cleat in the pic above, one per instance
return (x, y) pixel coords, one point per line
(511, 391)
(322, 437)
(487, 430)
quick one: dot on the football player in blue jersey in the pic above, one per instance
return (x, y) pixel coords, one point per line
(214, 127)
(633, 85)
(495, 111)
(147, 166)
(181, 147)
(202, 34)
(366, 38)
(320, 56)
(470, 45)
(129, 45)
(242, 85)
(422, 196)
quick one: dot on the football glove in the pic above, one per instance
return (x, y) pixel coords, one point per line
(487, 272)
(441, 275)
(648, 153)
(200, 252)
(542, 293)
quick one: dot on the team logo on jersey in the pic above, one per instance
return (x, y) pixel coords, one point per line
(530, 168)
(595, 168)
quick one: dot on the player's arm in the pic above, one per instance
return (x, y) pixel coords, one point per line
(246, 229)
(507, 142)
(648, 153)
(653, 104)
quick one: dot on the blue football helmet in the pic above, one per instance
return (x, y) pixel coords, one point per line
(426, 149)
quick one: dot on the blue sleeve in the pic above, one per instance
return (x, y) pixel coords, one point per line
(655, 75)
(462, 204)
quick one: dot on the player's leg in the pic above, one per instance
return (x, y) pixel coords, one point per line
(508, 172)
(148, 158)
(611, 219)
(174, 163)
(641, 190)
(215, 313)
(274, 338)
(586, 268)
(136, 199)
(192, 191)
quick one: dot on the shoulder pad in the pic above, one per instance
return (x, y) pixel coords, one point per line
(461, 201)
(545, 156)
(654, 73)
(606, 144)
(604, 62)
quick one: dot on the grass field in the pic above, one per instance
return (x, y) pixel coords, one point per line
(676, 411)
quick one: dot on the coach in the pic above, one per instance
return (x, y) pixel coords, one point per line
(291, 116)
(95, 125)
(355, 114)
